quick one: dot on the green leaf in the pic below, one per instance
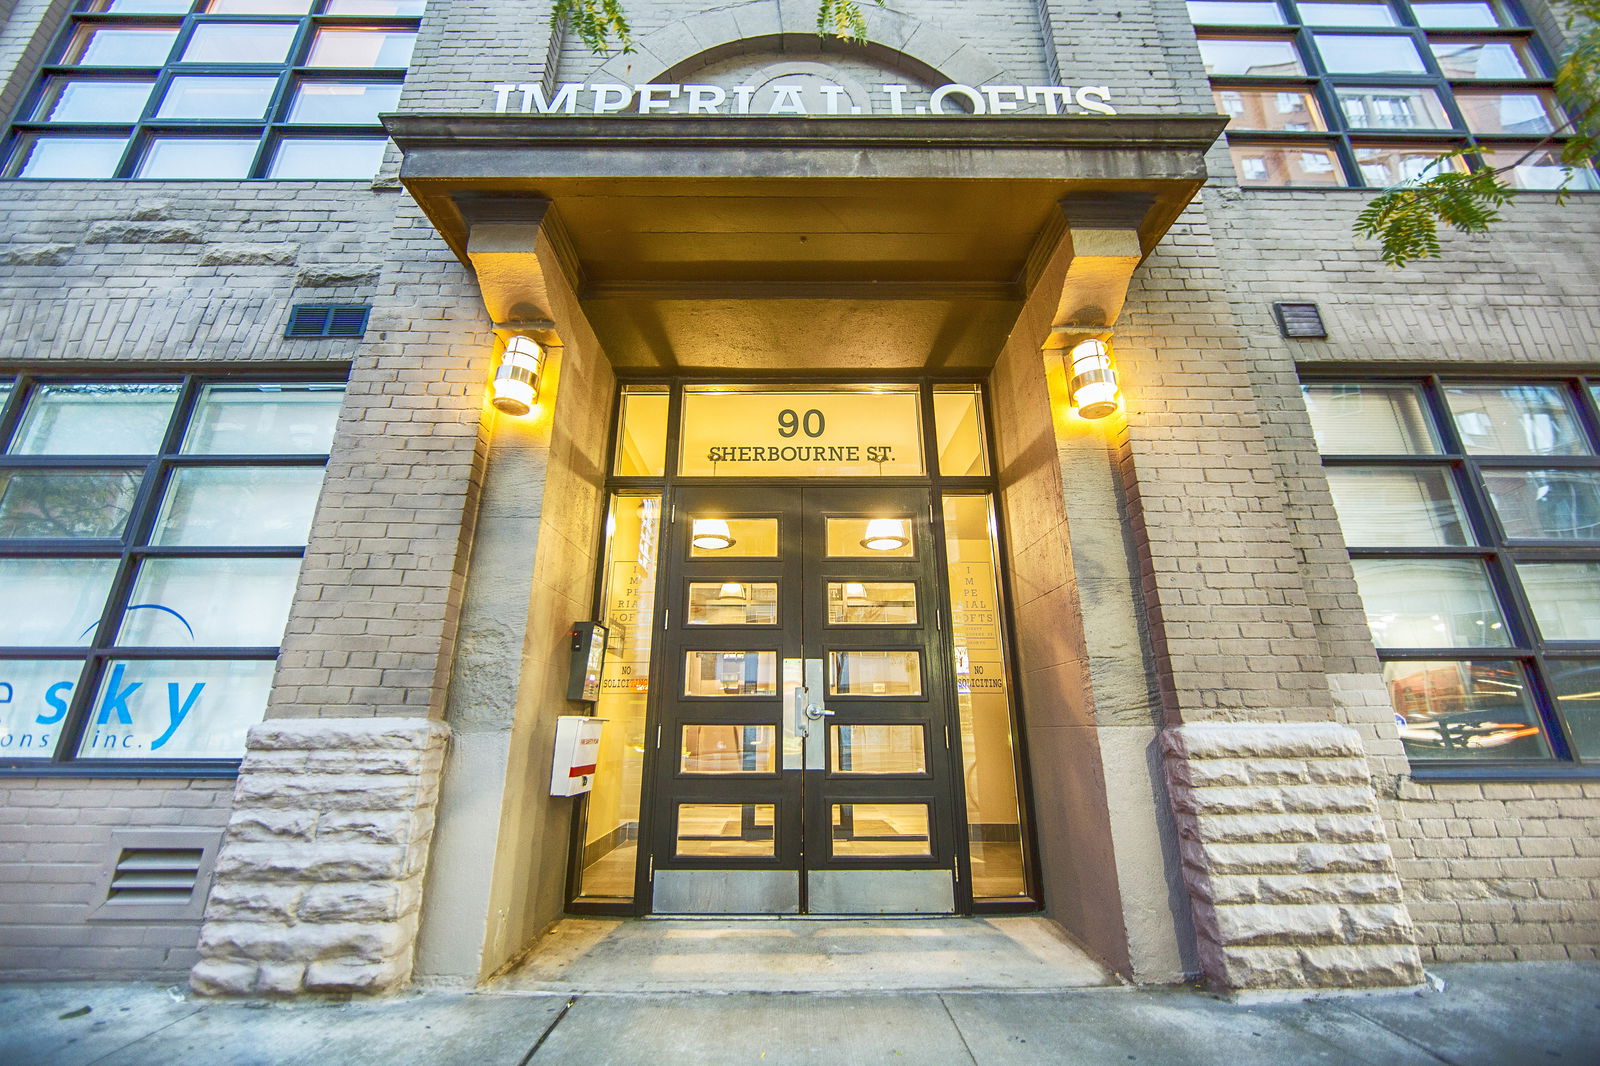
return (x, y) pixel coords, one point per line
(595, 22)
(842, 19)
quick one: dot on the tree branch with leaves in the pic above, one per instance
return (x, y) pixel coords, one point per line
(600, 22)
(1405, 218)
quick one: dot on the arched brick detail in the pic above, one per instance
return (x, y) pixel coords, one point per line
(917, 47)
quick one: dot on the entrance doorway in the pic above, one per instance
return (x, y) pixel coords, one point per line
(807, 691)
(804, 706)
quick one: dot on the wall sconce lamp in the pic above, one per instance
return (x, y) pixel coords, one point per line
(1092, 381)
(710, 534)
(885, 535)
(516, 382)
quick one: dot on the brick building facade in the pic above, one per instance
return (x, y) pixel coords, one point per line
(1229, 758)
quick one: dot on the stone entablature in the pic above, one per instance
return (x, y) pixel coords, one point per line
(1286, 860)
(319, 882)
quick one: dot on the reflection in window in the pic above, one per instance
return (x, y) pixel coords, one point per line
(729, 749)
(1266, 164)
(95, 419)
(1515, 420)
(730, 673)
(733, 603)
(874, 673)
(92, 100)
(343, 103)
(1383, 165)
(1257, 58)
(326, 158)
(1392, 107)
(66, 504)
(1481, 59)
(361, 47)
(1369, 419)
(46, 156)
(872, 603)
(1546, 504)
(1430, 603)
(217, 158)
(1348, 53)
(1388, 507)
(217, 98)
(1464, 710)
(239, 42)
(877, 749)
(1565, 598)
(1270, 109)
(881, 830)
(726, 830)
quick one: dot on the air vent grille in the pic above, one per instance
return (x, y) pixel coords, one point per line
(1299, 320)
(155, 875)
(327, 320)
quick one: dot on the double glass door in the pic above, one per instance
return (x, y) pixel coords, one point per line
(803, 742)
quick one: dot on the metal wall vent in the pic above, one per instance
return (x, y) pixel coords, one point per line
(1299, 320)
(327, 320)
(155, 875)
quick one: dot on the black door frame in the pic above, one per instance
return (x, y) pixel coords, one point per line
(938, 485)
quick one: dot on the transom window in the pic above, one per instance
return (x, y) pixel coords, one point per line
(1373, 92)
(1471, 509)
(151, 533)
(216, 89)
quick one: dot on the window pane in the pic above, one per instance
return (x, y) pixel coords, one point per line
(1354, 13)
(958, 425)
(877, 749)
(198, 157)
(1430, 603)
(870, 538)
(1234, 13)
(225, 506)
(726, 830)
(251, 419)
(71, 157)
(210, 603)
(642, 432)
(1515, 420)
(881, 830)
(1382, 507)
(1464, 710)
(1392, 107)
(95, 419)
(1274, 164)
(1456, 14)
(1390, 164)
(375, 7)
(361, 47)
(1294, 110)
(1542, 169)
(1546, 504)
(1565, 598)
(1577, 689)
(1526, 111)
(730, 673)
(107, 46)
(1369, 420)
(729, 749)
(744, 538)
(34, 694)
(65, 599)
(733, 603)
(1482, 59)
(1346, 53)
(874, 673)
(145, 7)
(66, 503)
(879, 603)
(1260, 57)
(217, 98)
(258, 7)
(240, 42)
(327, 159)
(92, 100)
(177, 709)
(342, 103)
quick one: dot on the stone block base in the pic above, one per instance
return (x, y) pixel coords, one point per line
(1286, 860)
(319, 881)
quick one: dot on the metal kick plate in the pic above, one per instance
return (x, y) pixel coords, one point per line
(880, 892)
(726, 892)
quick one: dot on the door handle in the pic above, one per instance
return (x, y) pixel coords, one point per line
(815, 713)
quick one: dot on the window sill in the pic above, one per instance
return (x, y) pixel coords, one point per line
(1473, 774)
(187, 771)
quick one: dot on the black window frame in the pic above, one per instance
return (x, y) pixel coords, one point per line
(1498, 552)
(1341, 139)
(131, 549)
(269, 131)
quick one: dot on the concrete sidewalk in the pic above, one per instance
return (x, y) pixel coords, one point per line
(1491, 1013)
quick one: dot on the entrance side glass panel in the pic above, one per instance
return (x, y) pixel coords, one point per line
(611, 813)
(759, 431)
(642, 431)
(958, 431)
(881, 830)
(994, 822)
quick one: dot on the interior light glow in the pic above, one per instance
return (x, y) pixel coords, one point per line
(885, 535)
(711, 534)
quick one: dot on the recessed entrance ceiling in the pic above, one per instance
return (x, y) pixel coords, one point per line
(766, 243)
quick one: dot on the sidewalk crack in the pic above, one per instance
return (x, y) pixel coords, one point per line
(537, 1044)
(1402, 1035)
(959, 1034)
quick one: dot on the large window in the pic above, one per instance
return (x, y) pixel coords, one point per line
(151, 533)
(216, 89)
(1471, 509)
(1372, 92)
